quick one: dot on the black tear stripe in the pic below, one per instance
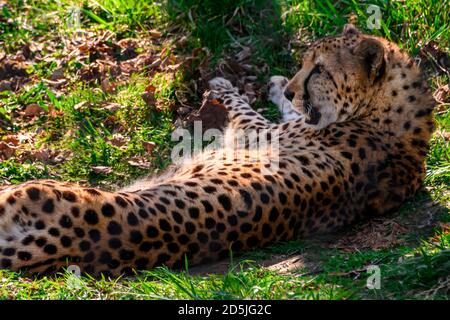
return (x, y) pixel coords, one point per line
(314, 114)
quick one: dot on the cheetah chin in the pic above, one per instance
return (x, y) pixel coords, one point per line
(357, 121)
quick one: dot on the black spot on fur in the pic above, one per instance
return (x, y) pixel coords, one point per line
(121, 201)
(225, 201)
(69, 196)
(108, 210)
(152, 232)
(91, 217)
(65, 222)
(33, 193)
(48, 206)
(132, 219)
(50, 249)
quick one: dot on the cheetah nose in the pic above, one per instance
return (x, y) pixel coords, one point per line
(289, 94)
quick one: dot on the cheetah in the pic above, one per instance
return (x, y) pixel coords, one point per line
(357, 120)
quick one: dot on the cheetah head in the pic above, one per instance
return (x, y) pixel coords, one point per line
(338, 77)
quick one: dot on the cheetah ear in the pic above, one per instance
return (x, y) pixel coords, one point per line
(371, 51)
(350, 29)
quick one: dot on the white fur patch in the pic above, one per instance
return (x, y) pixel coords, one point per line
(277, 86)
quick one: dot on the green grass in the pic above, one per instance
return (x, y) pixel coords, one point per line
(81, 125)
(406, 273)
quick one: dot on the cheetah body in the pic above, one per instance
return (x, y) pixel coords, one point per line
(363, 156)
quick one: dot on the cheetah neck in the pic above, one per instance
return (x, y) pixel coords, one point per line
(402, 105)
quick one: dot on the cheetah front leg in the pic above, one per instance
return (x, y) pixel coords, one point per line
(240, 113)
(277, 85)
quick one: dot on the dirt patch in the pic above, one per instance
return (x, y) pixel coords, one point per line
(280, 263)
(376, 234)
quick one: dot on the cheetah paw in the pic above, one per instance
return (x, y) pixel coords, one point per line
(220, 84)
(277, 84)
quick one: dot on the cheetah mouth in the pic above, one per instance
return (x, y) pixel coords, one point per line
(311, 112)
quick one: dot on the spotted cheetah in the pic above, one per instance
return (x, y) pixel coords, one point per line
(357, 120)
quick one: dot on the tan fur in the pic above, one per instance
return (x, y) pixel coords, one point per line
(363, 157)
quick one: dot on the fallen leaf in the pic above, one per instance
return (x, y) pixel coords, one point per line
(11, 139)
(80, 105)
(42, 155)
(113, 106)
(174, 67)
(150, 88)
(33, 110)
(155, 33)
(7, 150)
(55, 83)
(212, 114)
(102, 169)
(244, 54)
(442, 94)
(57, 74)
(11, 68)
(107, 86)
(46, 155)
(250, 92)
(376, 234)
(5, 85)
(118, 140)
(140, 162)
(54, 113)
(149, 98)
(148, 146)
(440, 58)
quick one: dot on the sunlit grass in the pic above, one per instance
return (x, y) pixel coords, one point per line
(85, 126)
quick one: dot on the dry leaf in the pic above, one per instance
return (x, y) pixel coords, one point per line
(148, 146)
(107, 86)
(118, 140)
(33, 110)
(150, 88)
(5, 85)
(140, 162)
(46, 155)
(42, 155)
(54, 113)
(149, 98)
(244, 54)
(11, 139)
(56, 84)
(113, 106)
(155, 33)
(57, 74)
(102, 169)
(7, 150)
(174, 67)
(442, 94)
(212, 114)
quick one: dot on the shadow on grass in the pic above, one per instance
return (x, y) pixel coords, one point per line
(242, 40)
